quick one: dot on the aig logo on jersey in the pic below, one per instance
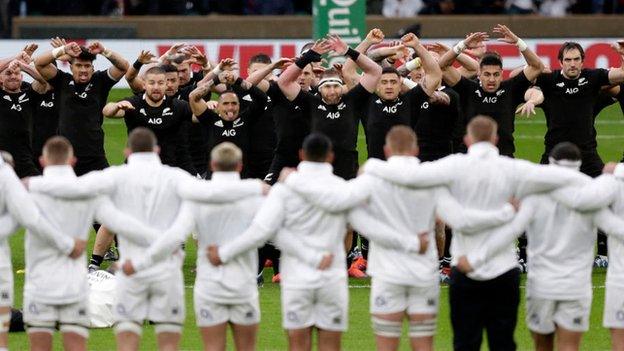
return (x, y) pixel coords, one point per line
(229, 133)
(333, 115)
(154, 121)
(490, 99)
(16, 107)
(571, 91)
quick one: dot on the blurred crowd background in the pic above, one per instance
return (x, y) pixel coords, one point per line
(388, 8)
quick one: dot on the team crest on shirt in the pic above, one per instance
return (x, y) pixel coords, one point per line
(249, 314)
(478, 92)
(321, 107)
(175, 310)
(577, 320)
(89, 86)
(167, 112)
(219, 123)
(248, 98)
(4, 295)
(500, 92)
(560, 85)
(619, 315)
(205, 314)
(237, 123)
(292, 316)
(380, 301)
(341, 106)
(6, 97)
(337, 320)
(431, 302)
(22, 98)
(582, 81)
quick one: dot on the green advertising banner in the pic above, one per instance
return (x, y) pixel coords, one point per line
(346, 18)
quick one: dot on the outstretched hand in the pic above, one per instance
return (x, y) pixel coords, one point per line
(507, 35)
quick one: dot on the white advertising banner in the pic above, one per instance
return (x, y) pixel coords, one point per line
(597, 50)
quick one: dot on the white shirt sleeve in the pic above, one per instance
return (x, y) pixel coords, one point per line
(193, 189)
(295, 247)
(338, 197)
(264, 226)
(170, 240)
(468, 220)
(21, 206)
(8, 225)
(84, 187)
(503, 236)
(440, 172)
(610, 223)
(364, 222)
(532, 178)
(123, 224)
(592, 196)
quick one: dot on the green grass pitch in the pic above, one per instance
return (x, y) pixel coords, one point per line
(529, 141)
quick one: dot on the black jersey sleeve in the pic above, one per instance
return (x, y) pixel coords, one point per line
(598, 77)
(544, 81)
(519, 85)
(57, 80)
(104, 79)
(131, 115)
(464, 86)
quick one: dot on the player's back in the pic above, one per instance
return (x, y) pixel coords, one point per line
(410, 211)
(560, 249)
(218, 224)
(317, 230)
(51, 276)
(615, 273)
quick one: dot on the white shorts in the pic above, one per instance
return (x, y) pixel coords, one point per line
(6, 287)
(326, 308)
(45, 316)
(161, 302)
(544, 315)
(386, 298)
(209, 313)
(613, 316)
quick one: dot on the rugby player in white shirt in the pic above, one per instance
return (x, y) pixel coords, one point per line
(17, 207)
(560, 248)
(151, 192)
(484, 180)
(404, 285)
(224, 294)
(56, 288)
(314, 286)
(613, 317)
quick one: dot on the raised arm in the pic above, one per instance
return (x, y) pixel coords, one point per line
(535, 66)
(616, 75)
(257, 77)
(466, 220)
(433, 74)
(43, 62)
(372, 71)
(196, 98)
(39, 84)
(120, 65)
(349, 68)
(132, 76)
(288, 79)
(117, 109)
(451, 75)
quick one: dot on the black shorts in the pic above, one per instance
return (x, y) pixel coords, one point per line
(87, 164)
(428, 157)
(26, 169)
(345, 164)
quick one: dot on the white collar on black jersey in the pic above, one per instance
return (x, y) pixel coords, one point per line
(143, 157)
(225, 176)
(312, 167)
(483, 148)
(59, 171)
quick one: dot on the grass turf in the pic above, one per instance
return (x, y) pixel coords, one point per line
(529, 144)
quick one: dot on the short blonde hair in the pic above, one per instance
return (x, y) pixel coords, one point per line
(401, 140)
(482, 128)
(226, 157)
(57, 150)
